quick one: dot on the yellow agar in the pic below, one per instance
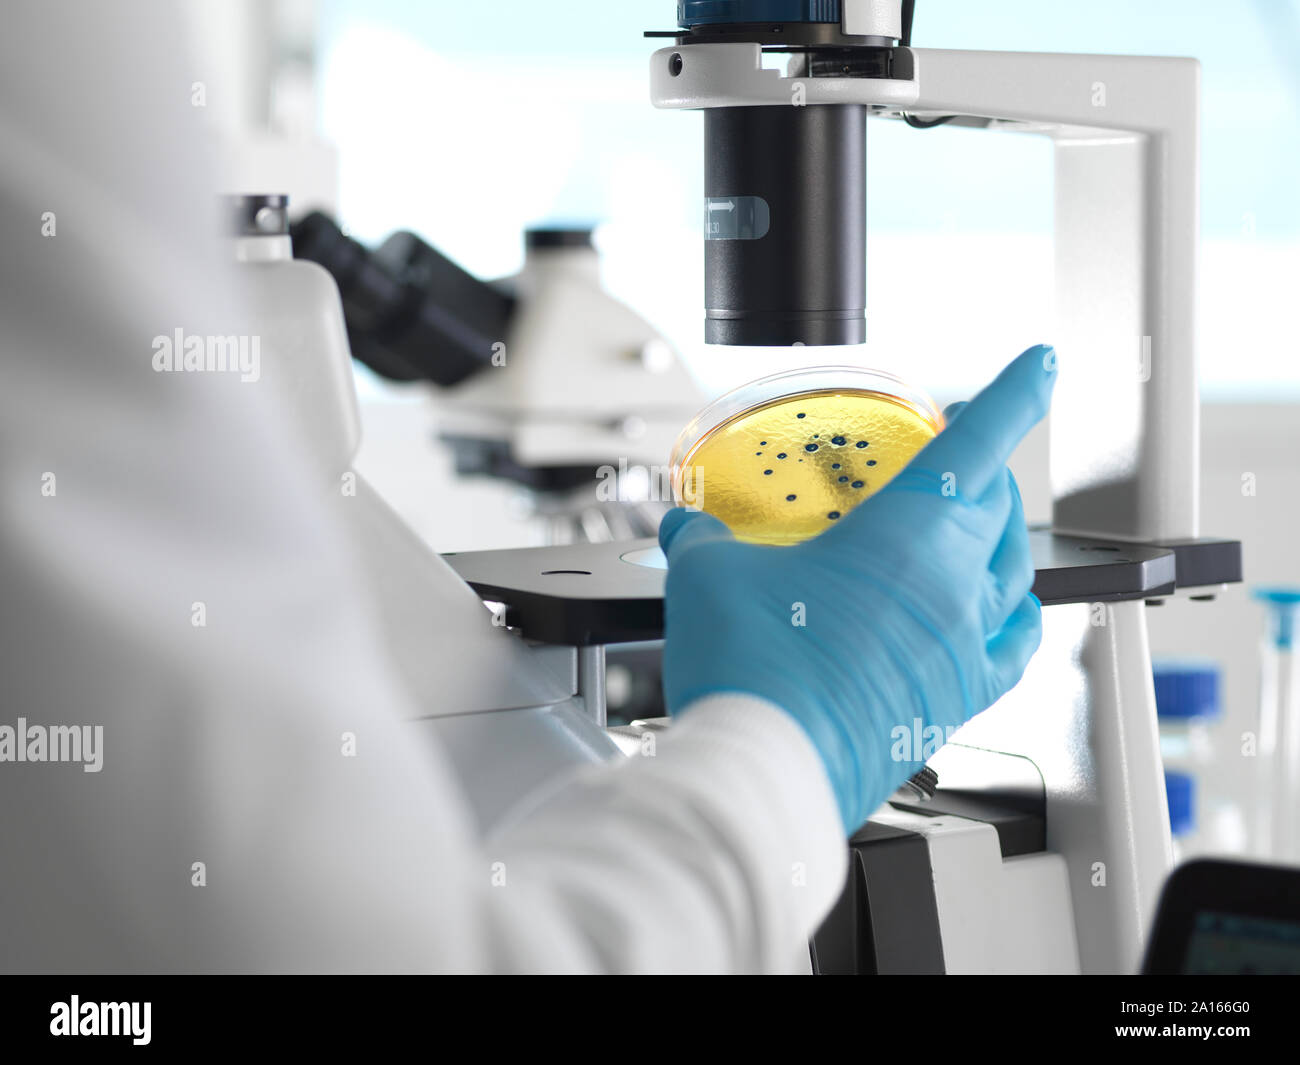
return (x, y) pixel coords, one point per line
(828, 449)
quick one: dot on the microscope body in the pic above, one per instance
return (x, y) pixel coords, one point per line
(581, 404)
(583, 377)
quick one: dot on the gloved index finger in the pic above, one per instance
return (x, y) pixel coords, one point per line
(680, 528)
(977, 445)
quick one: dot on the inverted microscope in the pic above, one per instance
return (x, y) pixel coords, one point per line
(1038, 840)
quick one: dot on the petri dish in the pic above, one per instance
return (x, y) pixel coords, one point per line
(782, 458)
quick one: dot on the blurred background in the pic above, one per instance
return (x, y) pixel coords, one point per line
(469, 123)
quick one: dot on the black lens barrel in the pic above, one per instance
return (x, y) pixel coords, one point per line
(804, 280)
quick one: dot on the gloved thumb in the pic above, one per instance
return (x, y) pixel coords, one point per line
(682, 527)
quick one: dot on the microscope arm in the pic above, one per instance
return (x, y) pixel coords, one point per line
(1124, 434)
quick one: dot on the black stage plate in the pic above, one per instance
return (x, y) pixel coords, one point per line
(585, 594)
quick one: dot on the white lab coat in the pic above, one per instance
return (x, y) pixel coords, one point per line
(225, 831)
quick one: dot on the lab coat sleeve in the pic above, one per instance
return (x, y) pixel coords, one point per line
(718, 847)
(174, 584)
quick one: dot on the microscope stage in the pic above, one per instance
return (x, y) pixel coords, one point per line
(589, 594)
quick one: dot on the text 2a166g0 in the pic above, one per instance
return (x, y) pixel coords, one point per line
(1184, 1007)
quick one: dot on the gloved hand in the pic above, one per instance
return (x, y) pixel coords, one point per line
(912, 611)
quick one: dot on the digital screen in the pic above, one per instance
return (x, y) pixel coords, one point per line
(1234, 944)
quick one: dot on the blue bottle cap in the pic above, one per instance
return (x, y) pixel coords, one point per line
(1283, 604)
(1186, 689)
(1180, 790)
(715, 12)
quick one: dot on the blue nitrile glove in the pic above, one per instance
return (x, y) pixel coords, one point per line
(912, 611)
